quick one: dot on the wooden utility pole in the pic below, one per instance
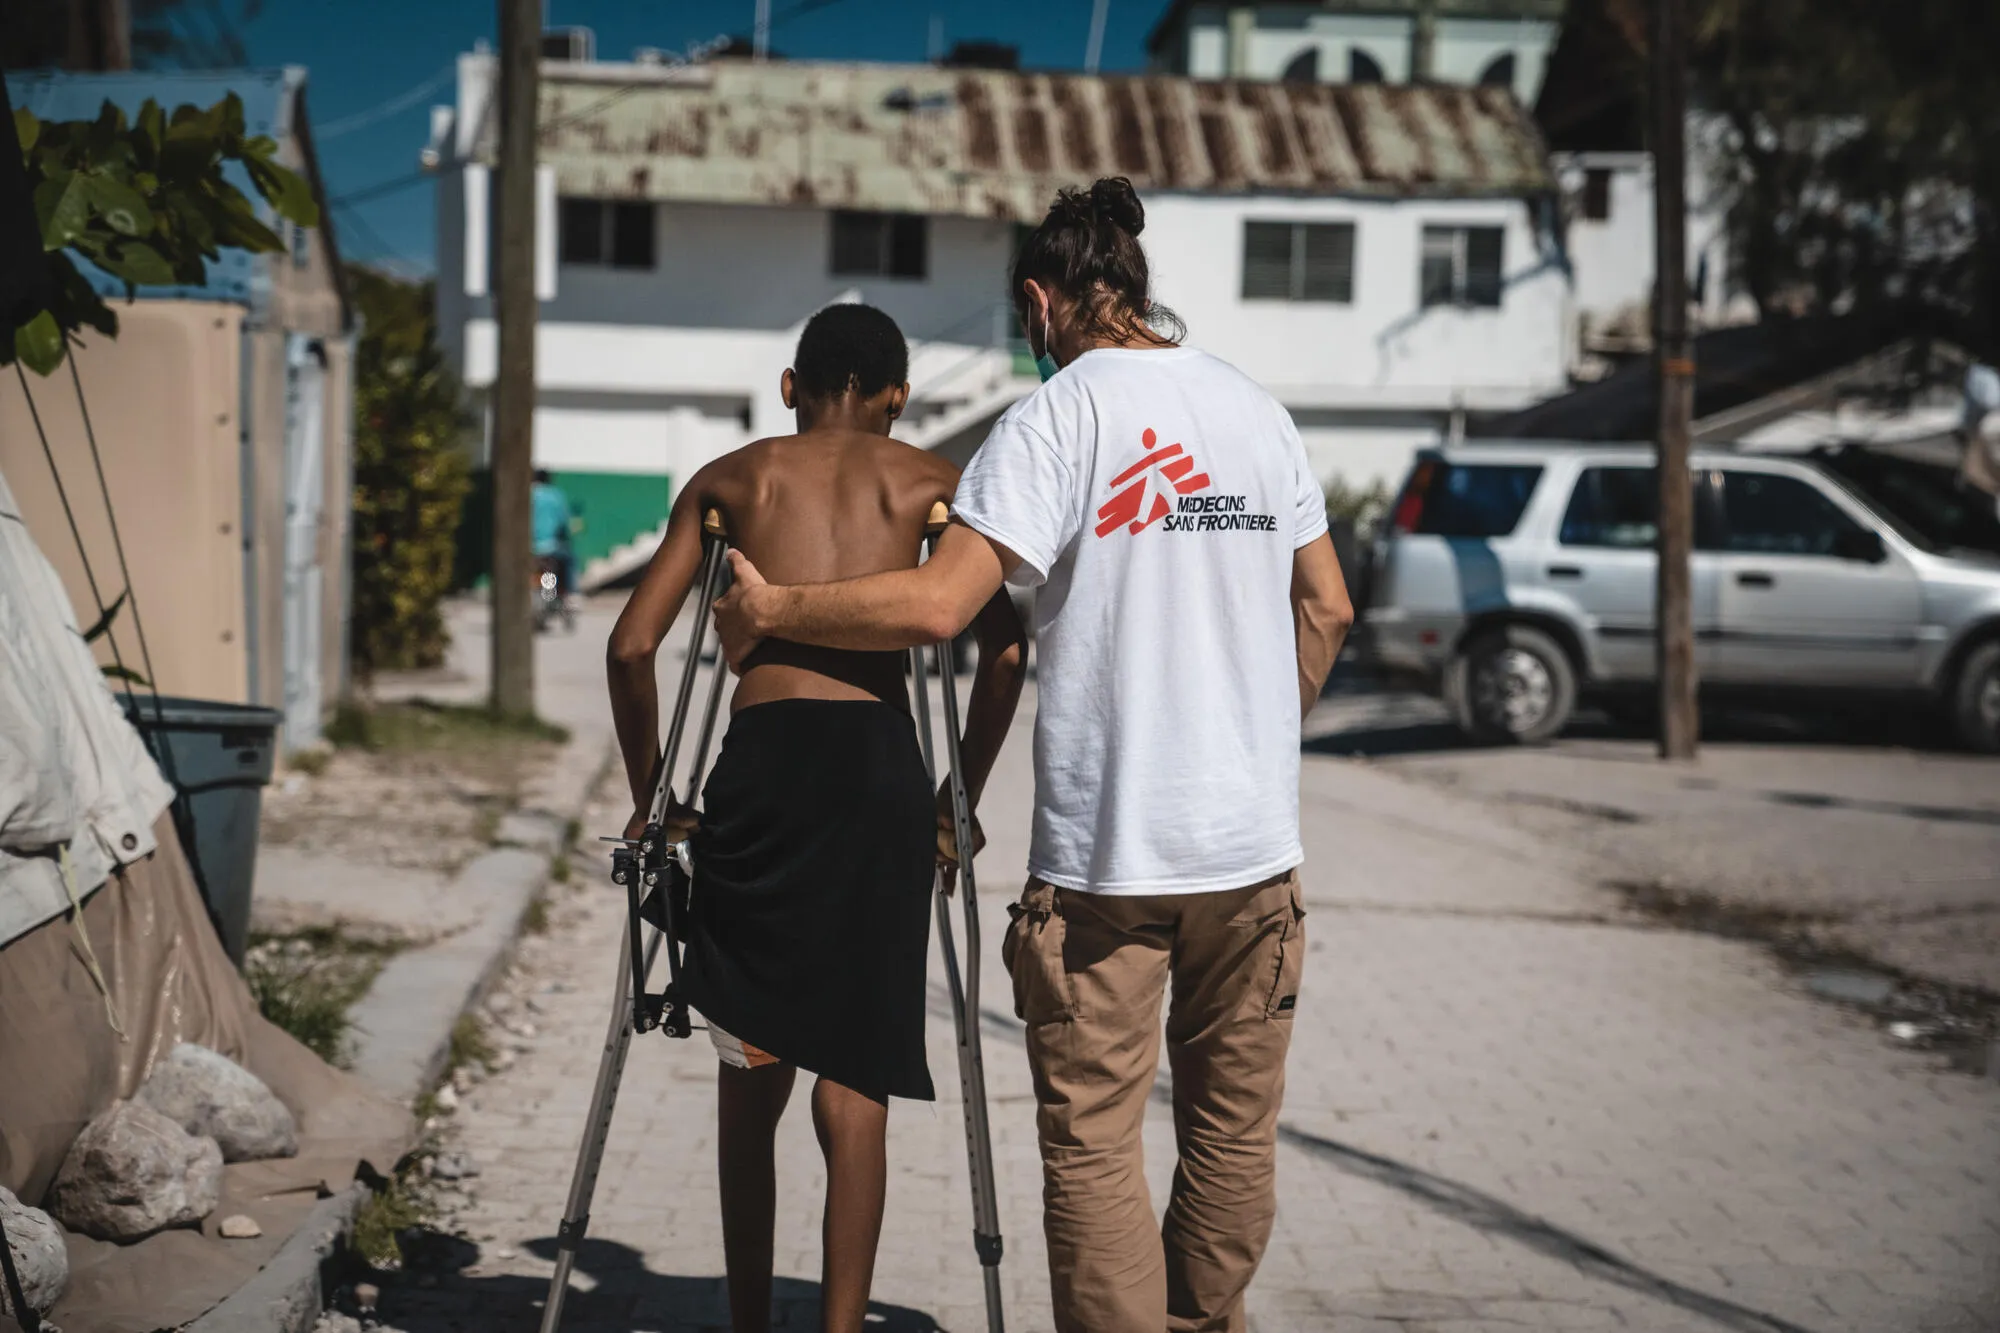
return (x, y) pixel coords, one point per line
(513, 676)
(100, 34)
(1673, 353)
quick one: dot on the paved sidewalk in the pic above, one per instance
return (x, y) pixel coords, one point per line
(1511, 1106)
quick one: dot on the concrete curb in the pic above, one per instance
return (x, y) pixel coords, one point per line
(287, 1294)
(404, 1025)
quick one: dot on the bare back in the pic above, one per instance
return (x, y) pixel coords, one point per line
(817, 508)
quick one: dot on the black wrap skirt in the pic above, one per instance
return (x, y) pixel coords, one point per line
(809, 926)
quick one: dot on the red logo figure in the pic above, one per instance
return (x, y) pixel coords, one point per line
(1149, 487)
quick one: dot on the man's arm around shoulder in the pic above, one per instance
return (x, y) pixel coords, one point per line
(902, 608)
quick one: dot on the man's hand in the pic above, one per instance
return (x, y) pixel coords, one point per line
(947, 839)
(738, 626)
(679, 824)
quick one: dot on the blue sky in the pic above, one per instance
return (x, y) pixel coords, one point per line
(364, 54)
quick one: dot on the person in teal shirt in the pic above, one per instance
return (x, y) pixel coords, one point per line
(552, 521)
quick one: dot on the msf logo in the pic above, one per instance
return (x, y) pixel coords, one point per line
(1143, 494)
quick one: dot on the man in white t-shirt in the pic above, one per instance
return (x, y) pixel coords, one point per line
(1189, 608)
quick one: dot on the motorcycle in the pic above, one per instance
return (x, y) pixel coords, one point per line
(551, 598)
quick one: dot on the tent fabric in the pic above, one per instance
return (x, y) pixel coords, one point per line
(170, 982)
(73, 771)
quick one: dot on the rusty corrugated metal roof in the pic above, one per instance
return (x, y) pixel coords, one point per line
(986, 143)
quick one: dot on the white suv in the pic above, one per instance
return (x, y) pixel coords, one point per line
(1515, 576)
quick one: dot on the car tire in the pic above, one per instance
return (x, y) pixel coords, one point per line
(1976, 700)
(1513, 685)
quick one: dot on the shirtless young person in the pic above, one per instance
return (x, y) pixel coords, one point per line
(810, 926)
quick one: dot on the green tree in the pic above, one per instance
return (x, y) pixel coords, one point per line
(410, 476)
(145, 201)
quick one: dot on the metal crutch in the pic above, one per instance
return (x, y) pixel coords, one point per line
(645, 864)
(964, 993)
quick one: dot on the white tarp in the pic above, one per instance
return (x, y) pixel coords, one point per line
(73, 772)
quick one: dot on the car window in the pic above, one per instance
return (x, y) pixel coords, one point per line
(1925, 502)
(1766, 514)
(1619, 507)
(1465, 499)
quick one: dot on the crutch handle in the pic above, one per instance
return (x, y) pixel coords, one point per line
(712, 524)
(940, 516)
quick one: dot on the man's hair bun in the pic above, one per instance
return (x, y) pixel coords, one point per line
(1114, 200)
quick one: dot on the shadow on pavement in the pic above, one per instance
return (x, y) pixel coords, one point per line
(623, 1295)
(1483, 1212)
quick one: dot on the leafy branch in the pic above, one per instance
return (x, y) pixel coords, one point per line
(146, 201)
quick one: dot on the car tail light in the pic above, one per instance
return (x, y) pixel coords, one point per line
(1410, 509)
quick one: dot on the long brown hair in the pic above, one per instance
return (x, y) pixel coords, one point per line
(1088, 249)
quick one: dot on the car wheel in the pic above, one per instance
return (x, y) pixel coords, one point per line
(1976, 705)
(1512, 685)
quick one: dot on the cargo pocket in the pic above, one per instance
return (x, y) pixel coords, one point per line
(1291, 961)
(1033, 954)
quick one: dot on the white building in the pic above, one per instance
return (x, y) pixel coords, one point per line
(1381, 257)
(1489, 43)
(1608, 231)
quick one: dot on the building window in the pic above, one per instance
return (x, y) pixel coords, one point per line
(1597, 194)
(880, 245)
(605, 233)
(1304, 67)
(1298, 261)
(1461, 266)
(1499, 72)
(1362, 67)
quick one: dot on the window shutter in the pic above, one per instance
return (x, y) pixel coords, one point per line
(857, 243)
(1482, 265)
(1267, 261)
(581, 224)
(1438, 274)
(632, 235)
(909, 245)
(1329, 263)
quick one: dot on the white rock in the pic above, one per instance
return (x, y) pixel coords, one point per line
(133, 1172)
(446, 1099)
(40, 1259)
(210, 1094)
(241, 1226)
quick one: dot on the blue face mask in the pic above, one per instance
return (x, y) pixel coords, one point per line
(1046, 363)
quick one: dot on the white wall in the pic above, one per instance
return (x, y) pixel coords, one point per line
(1465, 47)
(1462, 51)
(1382, 351)
(1613, 257)
(1365, 449)
(724, 267)
(1384, 37)
(646, 440)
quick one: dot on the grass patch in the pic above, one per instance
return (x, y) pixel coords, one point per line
(469, 1045)
(386, 1214)
(535, 920)
(306, 981)
(420, 726)
(311, 762)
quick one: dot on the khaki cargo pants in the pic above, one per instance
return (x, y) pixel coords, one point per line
(1089, 971)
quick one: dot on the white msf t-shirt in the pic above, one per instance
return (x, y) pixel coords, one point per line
(1156, 498)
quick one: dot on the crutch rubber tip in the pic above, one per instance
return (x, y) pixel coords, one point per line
(940, 516)
(711, 523)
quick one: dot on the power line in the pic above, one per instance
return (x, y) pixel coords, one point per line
(400, 102)
(379, 189)
(382, 249)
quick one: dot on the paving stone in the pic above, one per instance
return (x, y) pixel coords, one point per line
(1506, 1110)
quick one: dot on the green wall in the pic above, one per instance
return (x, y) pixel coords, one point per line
(613, 508)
